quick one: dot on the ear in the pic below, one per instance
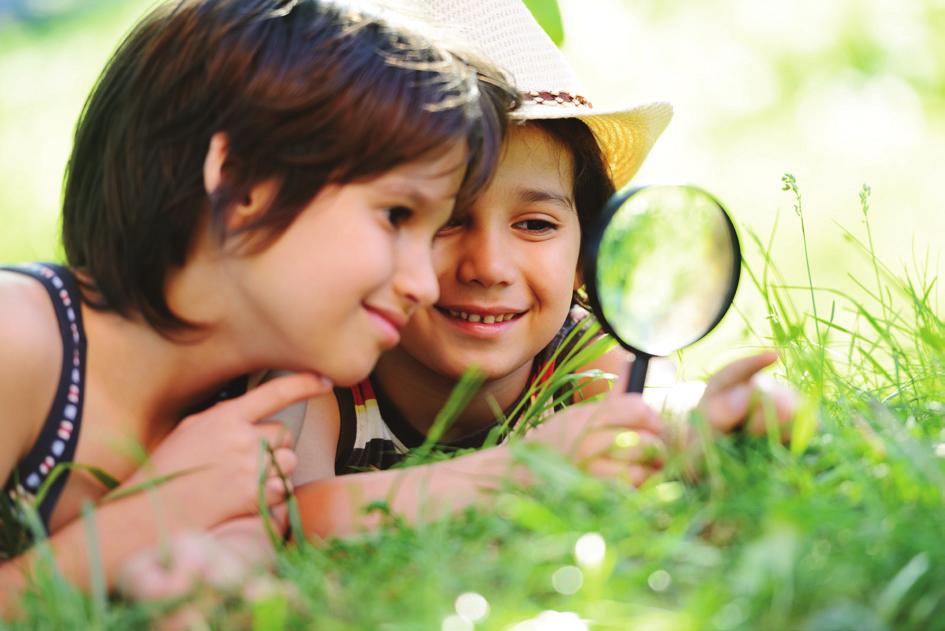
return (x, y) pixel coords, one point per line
(248, 207)
(213, 163)
(578, 277)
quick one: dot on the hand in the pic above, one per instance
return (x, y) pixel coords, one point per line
(737, 396)
(619, 436)
(217, 454)
(222, 559)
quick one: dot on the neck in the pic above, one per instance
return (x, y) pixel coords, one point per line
(419, 393)
(157, 377)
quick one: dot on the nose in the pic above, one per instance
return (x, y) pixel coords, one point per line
(415, 280)
(483, 258)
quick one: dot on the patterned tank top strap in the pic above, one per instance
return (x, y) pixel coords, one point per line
(60, 433)
(366, 440)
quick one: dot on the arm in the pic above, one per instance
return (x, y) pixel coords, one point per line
(240, 545)
(216, 449)
(332, 507)
(584, 433)
(121, 528)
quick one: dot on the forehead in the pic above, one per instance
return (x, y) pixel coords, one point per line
(531, 155)
(431, 178)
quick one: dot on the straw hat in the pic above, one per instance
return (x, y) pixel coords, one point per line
(505, 33)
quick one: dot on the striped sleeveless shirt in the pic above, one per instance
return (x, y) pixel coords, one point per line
(375, 435)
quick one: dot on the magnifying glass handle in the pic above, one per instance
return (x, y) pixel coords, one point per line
(638, 373)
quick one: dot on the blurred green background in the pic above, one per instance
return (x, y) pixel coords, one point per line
(838, 93)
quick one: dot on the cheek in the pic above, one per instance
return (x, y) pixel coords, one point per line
(358, 268)
(443, 255)
(556, 273)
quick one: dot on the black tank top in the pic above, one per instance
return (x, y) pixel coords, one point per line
(60, 433)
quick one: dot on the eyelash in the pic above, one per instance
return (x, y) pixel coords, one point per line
(545, 226)
(451, 224)
(398, 215)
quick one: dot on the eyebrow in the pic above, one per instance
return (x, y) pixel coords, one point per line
(533, 195)
(414, 195)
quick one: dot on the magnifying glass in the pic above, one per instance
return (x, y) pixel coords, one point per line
(661, 270)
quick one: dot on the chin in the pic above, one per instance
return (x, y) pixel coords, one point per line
(489, 371)
(348, 374)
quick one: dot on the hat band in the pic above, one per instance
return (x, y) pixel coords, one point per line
(556, 98)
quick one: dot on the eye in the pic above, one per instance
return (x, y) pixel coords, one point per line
(398, 215)
(453, 223)
(536, 226)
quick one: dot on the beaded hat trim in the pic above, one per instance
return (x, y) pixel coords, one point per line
(559, 98)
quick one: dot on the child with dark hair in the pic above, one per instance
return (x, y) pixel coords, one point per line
(254, 184)
(508, 269)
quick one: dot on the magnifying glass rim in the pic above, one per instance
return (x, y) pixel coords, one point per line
(594, 238)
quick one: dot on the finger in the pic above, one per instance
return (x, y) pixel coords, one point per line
(285, 461)
(639, 474)
(616, 470)
(276, 434)
(626, 446)
(727, 410)
(275, 491)
(629, 410)
(739, 371)
(610, 470)
(777, 407)
(272, 396)
(639, 448)
(280, 516)
(785, 397)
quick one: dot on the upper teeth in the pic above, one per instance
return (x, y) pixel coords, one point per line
(485, 319)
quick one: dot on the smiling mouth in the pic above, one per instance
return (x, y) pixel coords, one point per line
(479, 318)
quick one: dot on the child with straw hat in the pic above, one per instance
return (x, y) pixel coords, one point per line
(507, 266)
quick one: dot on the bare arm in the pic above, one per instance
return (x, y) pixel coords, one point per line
(216, 449)
(121, 528)
(583, 433)
(333, 507)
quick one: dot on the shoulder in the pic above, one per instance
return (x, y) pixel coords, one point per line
(318, 440)
(30, 363)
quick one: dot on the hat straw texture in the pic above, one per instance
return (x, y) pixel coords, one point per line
(505, 33)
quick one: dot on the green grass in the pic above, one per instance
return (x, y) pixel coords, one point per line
(843, 530)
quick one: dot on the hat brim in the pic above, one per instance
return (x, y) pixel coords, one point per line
(625, 134)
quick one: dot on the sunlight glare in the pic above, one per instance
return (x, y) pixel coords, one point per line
(590, 550)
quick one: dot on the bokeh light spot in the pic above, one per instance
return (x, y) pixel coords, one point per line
(567, 580)
(590, 550)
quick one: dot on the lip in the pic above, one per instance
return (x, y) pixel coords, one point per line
(389, 321)
(480, 330)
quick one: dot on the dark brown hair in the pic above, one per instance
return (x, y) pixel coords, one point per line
(308, 94)
(592, 183)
